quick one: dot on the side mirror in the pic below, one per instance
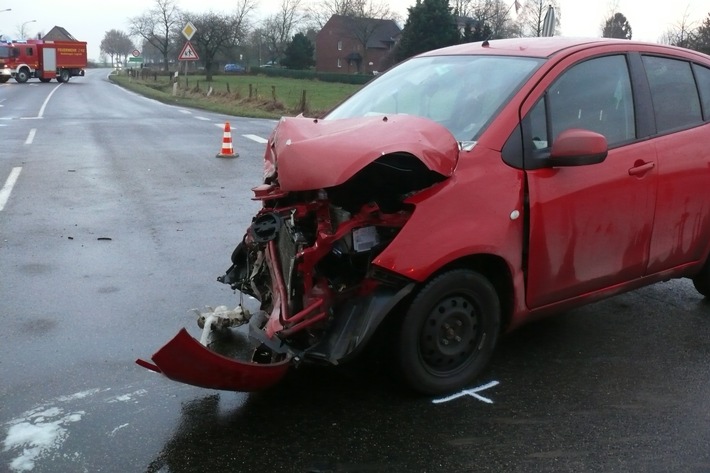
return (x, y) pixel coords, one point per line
(577, 147)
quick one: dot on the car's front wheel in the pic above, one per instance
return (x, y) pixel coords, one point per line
(449, 332)
(701, 281)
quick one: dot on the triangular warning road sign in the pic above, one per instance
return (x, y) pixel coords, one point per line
(188, 53)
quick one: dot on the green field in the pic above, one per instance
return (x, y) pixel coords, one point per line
(246, 95)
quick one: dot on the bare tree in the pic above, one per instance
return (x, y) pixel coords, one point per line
(496, 14)
(116, 44)
(157, 25)
(532, 16)
(681, 33)
(218, 32)
(23, 30)
(278, 28)
(464, 8)
(319, 12)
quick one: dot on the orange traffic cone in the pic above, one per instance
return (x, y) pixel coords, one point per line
(227, 149)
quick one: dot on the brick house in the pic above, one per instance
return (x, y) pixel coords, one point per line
(351, 45)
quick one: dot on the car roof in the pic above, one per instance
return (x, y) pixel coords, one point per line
(544, 47)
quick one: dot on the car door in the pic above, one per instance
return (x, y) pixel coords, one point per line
(589, 226)
(682, 221)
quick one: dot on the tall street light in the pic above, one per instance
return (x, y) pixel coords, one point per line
(7, 9)
(22, 28)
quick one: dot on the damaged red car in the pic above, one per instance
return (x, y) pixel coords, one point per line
(460, 194)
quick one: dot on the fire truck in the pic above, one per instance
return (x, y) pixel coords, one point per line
(45, 60)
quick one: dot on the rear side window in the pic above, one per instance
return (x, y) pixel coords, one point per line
(702, 76)
(675, 97)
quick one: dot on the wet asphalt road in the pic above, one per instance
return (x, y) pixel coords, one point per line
(119, 222)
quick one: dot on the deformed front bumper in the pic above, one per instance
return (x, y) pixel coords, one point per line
(186, 360)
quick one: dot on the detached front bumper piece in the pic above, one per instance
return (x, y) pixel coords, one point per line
(185, 360)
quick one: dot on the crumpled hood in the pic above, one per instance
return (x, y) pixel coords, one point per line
(314, 154)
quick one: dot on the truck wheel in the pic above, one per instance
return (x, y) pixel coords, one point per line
(4, 79)
(44, 79)
(22, 76)
(64, 76)
(449, 332)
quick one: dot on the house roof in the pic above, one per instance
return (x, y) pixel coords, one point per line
(58, 33)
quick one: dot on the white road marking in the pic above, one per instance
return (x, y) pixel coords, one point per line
(469, 392)
(187, 112)
(9, 184)
(31, 136)
(113, 432)
(46, 101)
(256, 138)
(204, 119)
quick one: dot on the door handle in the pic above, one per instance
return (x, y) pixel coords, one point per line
(641, 169)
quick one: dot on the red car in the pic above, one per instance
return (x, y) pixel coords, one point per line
(460, 194)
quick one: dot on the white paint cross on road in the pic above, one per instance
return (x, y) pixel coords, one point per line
(469, 392)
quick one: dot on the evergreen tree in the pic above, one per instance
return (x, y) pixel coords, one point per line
(476, 31)
(701, 39)
(430, 25)
(617, 26)
(299, 53)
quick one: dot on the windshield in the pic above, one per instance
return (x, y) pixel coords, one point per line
(4, 52)
(462, 93)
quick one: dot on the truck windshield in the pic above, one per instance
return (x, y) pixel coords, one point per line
(5, 52)
(462, 93)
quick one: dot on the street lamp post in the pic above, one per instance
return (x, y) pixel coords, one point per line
(22, 28)
(7, 9)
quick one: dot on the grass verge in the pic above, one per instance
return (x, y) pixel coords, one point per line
(243, 95)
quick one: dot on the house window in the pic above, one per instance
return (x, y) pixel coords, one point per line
(340, 45)
(339, 65)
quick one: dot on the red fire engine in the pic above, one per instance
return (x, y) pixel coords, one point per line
(44, 60)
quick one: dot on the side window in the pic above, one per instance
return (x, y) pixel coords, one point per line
(594, 95)
(675, 97)
(702, 75)
(28, 52)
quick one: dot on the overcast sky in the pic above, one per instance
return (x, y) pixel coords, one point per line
(88, 20)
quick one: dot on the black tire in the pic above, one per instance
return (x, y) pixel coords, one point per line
(22, 76)
(449, 332)
(63, 76)
(701, 281)
(4, 79)
(44, 79)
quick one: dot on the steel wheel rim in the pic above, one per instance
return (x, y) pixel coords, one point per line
(450, 335)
